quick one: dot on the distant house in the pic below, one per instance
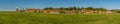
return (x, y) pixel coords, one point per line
(52, 11)
(100, 11)
(95, 11)
(71, 12)
(109, 12)
(39, 10)
(87, 11)
(29, 10)
(45, 11)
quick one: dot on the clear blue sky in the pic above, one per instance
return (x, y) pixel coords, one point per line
(22, 4)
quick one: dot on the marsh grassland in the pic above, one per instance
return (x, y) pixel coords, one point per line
(40, 18)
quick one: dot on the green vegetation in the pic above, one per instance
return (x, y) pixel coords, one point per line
(73, 8)
(40, 18)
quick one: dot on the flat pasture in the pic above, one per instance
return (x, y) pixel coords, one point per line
(41, 18)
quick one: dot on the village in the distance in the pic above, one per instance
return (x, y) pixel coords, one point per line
(68, 10)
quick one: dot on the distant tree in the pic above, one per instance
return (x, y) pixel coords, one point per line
(49, 8)
(116, 10)
(81, 8)
(61, 8)
(78, 8)
(22, 10)
(102, 9)
(67, 8)
(89, 8)
(72, 8)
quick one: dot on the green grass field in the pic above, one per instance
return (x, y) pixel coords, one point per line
(40, 18)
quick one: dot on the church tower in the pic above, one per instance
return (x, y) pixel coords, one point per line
(17, 10)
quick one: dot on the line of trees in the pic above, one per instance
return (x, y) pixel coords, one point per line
(74, 8)
(77, 8)
(80, 8)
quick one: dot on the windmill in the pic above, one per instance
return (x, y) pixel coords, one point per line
(17, 9)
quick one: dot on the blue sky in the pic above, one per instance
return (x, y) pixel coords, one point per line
(9, 5)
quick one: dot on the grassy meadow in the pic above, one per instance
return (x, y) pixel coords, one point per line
(40, 18)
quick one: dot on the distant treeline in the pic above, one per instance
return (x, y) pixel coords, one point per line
(79, 8)
(74, 8)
